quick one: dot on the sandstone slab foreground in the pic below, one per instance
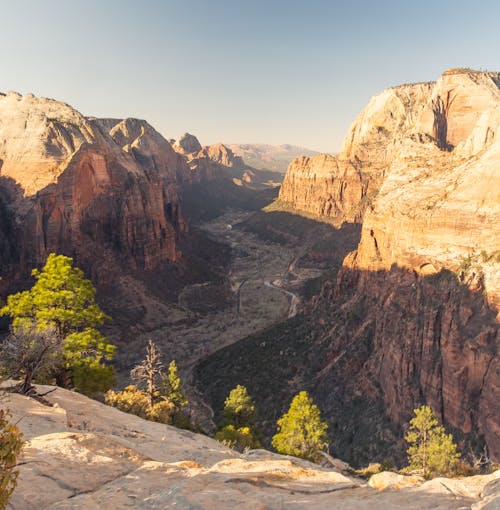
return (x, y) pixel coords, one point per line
(83, 454)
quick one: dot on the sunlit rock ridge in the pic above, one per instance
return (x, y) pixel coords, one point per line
(420, 167)
(413, 315)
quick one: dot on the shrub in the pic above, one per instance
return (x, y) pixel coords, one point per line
(11, 444)
(135, 401)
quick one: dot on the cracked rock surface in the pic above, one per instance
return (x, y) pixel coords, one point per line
(83, 454)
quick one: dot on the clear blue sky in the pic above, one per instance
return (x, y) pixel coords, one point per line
(281, 71)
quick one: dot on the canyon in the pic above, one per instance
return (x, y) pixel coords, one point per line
(372, 280)
(412, 315)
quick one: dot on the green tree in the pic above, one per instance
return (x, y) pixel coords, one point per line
(11, 443)
(172, 386)
(301, 432)
(431, 450)
(237, 428)
(63, 299)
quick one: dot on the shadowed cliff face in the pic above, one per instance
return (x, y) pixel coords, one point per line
(370, 349)
(78, 189)
(116, 196)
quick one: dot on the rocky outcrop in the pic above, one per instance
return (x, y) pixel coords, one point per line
(457, 114)
(326, 186)
(413, 315)
(96, 190)
(187, 144)
(218, 162)
(82, 454)
(428, 261)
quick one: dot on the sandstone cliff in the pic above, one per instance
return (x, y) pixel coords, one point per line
(83, 454)
(413, 316)
(218, 161)
(459, 111)
(428, 261)
(436, 218)
(76, 187)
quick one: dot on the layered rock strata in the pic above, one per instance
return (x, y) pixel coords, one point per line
(457, 112)
(413, 317)
(94, 189)
(429, 257)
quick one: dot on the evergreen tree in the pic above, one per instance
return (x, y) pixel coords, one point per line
(239, 408)
(431, 450)
(301, 432)
(172, 387)
(237, 428)
(64, 300)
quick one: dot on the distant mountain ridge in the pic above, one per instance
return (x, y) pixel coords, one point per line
(269, 157)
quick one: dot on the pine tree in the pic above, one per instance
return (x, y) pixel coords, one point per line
(431, 450)
(237, 428)
(64, 300)
(172, 387)
(301, 432)
(239, 408)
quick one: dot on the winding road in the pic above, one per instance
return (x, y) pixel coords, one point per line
(294, 301)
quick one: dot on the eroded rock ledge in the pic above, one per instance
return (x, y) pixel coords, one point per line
(83, 454)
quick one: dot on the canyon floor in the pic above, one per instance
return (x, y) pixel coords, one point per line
(83, 454)
(261, 288)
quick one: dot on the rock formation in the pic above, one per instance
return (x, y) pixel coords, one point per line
(436, 337)
(88, 188)
(413, 316)
(83, 454)
(218, 161)
(187, 144)
(433, 231)
(459, 111)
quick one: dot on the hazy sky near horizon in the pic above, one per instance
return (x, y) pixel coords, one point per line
(275, 71)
